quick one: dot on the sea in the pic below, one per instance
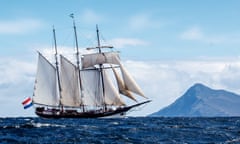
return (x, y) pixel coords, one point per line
(129, 130)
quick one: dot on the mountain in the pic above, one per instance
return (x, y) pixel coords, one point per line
(200, 100)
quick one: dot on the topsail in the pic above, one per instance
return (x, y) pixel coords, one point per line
(100, 58)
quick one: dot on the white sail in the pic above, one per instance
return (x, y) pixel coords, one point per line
(96, 89)
(70, 91)
(91, 86)
(111, 95)
(121, 87)
(45, 91)
(100, 58)
(129, 82)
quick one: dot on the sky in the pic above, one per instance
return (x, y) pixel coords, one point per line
(167, 45)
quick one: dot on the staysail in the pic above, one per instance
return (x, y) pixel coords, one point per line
(70, 91)
(129, 82)
(45, 90)
(112, 96)
(121, 86)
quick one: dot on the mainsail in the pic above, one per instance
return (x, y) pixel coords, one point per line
(70, 90)
(91, 87)
(45, 90)
(93, 93)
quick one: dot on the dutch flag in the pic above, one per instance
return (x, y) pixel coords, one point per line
(27, 103)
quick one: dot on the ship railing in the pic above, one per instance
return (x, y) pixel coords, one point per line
(97, 109)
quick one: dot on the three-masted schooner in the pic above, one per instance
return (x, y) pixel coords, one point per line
(85, 89)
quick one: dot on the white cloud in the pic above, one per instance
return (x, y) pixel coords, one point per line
(16, 83)
(195, 33)
(162, 81)
(19, 26)
(13, 71)
(90, 16)
(141, 22)
(67, 51)
(124, 42)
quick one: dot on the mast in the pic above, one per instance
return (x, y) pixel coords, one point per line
(99, 49)
(77, 57)
(76, 41)
(57, 67)
(101, 67)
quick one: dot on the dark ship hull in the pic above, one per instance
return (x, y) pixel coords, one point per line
(57, 113)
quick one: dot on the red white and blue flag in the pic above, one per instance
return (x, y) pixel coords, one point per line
(27, 103)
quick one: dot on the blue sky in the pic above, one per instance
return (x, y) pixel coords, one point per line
(166, 29)
(183, 42)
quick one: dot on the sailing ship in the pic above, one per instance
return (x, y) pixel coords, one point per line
(93, 87)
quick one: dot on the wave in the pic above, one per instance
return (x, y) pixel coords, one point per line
(130, 130)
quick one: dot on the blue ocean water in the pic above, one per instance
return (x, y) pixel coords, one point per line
(122, 130)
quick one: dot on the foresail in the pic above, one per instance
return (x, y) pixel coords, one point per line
(100, 58)
(111, 96)
(69, 83)
(121, 86)
(45, 90)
